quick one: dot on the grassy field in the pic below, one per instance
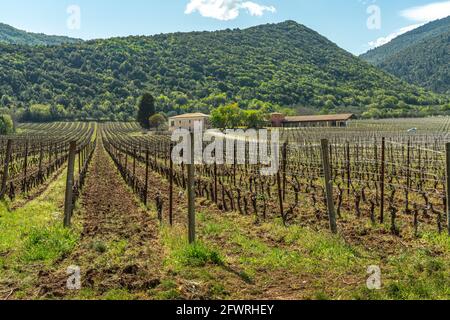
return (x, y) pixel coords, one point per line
(32, 238)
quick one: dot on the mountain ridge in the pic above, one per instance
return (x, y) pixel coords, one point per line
(269, 66)
(14, 36)
(419, 57)
(377, 55)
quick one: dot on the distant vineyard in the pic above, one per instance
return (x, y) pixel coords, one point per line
(387, 172)
(39, 151)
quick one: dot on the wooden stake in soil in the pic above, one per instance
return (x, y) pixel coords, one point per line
(235, 161)
(170, 185)
(41, 157)
(447, 153)
(280, 197)
(25, 168)
(408, 177)
(328, 185)
(284, 163)
(68, 203)
(134, 163)
(6, 168)
(348, 170)
(382, 177)
(216, 198)
(146, 177)
(191, 192)
(80, 161)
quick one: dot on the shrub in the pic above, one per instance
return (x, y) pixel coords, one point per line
(48, 244)
(198, 255)
(6, 124)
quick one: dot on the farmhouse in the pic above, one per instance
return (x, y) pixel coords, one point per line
(278, 120)
(186, 121)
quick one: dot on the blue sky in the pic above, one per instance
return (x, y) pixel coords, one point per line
(354, 25)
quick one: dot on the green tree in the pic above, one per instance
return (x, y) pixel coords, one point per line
(446, 107)
(256, 104)
(255, 119)
(6, 124)
(38, 113)
(373, 113)
(146, 109)
(215, 100)
(5, 101)
(157, 121)
(227, 117)
(329, 104)
(389, 102)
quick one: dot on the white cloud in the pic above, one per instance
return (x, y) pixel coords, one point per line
(226, 9)
(383, 40)
(429, 12)
(256, 9)
(421, 14)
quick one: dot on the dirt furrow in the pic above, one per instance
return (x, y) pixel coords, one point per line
(119, 247)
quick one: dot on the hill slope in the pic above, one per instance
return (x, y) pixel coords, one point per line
(12, 35)
(420, 56)
(280, 64)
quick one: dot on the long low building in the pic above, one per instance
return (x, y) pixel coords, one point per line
(333, 120)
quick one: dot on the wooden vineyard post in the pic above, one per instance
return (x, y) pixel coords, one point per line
(134, 162)
(50, 147)
(408, 176)
(80, 153)
(375, 155)
(146, 177)
(126, 160)
(280, 196)
(328, 185)
(56, 150)
(68, 203)
(284, 163)
(215, 183)
(25, 168)
(447, 160)
(80, 158)
(191, 191)
(41, 156)
(170, 185)
(331, 160)
(348, 170)
(183, 176)
(6, 168)
(382, 177)
(155, 150)
(235, 162)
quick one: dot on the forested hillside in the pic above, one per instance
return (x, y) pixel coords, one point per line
(420, 56)
(274, 65)
(12, 35)
(425, 64)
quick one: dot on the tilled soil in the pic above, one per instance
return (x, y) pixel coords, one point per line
(119, 246)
